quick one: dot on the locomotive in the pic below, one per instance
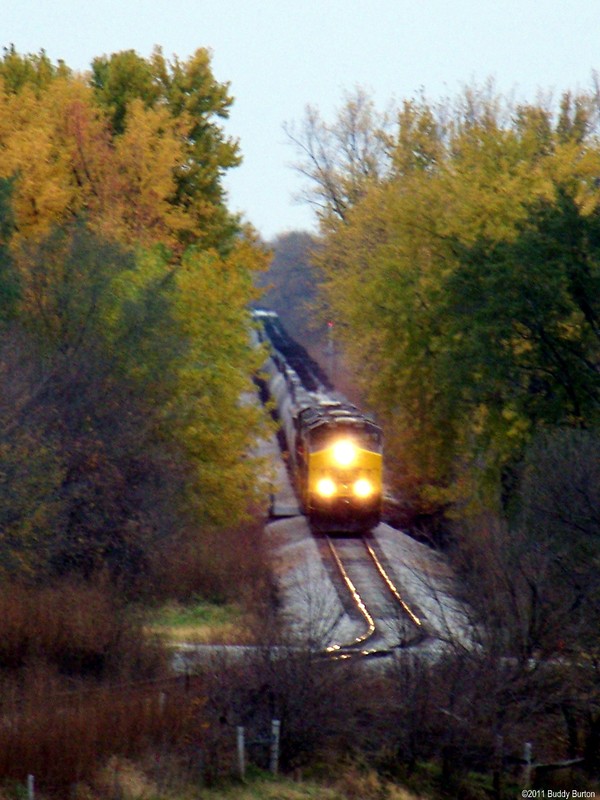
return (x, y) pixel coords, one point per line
(335, 450)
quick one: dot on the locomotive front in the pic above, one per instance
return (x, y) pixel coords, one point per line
(341, 451)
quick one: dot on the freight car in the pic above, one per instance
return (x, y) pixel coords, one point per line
(335, 451)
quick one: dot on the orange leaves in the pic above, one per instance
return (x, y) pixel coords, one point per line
(68, 163)
(135, 147)
(145, 158)
(29, 151)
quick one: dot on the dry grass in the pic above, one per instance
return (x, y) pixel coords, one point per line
(79, 681)
(77, 629)
(201, 623)
(358, 784)
(130, 780)
(82, 682)
(63, 737)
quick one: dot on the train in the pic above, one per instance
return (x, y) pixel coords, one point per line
(335, 451)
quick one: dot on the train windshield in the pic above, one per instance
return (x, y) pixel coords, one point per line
(365, 436)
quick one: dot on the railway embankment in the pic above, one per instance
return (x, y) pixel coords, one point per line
(316, 606)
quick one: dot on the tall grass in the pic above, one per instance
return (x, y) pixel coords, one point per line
(78, 629)
(221, 566)
(82, 682)
(79, 681)
(63, 738)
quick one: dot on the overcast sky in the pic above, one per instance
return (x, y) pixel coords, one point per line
(280, 55)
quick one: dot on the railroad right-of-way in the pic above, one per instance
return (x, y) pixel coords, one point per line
(318, 604)
(365, 589)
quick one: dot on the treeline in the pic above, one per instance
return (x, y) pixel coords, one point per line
(460, 259)
(290, 285)
(459, 256)
(124, 282)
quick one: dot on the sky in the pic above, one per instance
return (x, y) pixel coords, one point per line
(281, 55)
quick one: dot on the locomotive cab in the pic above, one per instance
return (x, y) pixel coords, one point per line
(341, 480)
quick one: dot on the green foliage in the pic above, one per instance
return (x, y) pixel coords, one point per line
(533, 305)
(466, 282)
(68, 280)
(120, 79)
(38, 71)
(200, 614)
(190, 94)
(9, 283)
(69, 440)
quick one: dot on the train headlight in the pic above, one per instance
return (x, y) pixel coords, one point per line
(326, 487)
(344, 452)
(363, 488)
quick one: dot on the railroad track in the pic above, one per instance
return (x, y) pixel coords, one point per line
(373, 598)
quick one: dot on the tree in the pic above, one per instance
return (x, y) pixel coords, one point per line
(467, 287)
(139, 150)
(120, 79)
(291, 283)
(342, 159)
(36, 71)
(75, 422)
(207, 413)
(557, 512)
(126, 419)
(189, 94)
(9, 287)
(124, 287)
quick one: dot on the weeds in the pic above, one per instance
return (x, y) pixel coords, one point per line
(83, 685)
(78, 681)
(200, 622)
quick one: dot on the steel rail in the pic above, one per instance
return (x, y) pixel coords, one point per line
(350, 649)
(358, 601)
(391, 585)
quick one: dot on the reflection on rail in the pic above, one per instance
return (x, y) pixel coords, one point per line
(373, 632)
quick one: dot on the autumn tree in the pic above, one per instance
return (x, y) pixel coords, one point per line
(466, 285)
(341, 159)
(464, 282)
(126, 291)
(191, 97)
(138, 148)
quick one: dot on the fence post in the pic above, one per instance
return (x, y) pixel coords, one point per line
(497, 777)
(527, 768)
(30, 787)
(275, 731)
(241, 752)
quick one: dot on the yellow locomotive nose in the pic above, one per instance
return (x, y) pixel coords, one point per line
(344, 453)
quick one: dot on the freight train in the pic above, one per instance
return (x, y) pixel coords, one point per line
(335, 451)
